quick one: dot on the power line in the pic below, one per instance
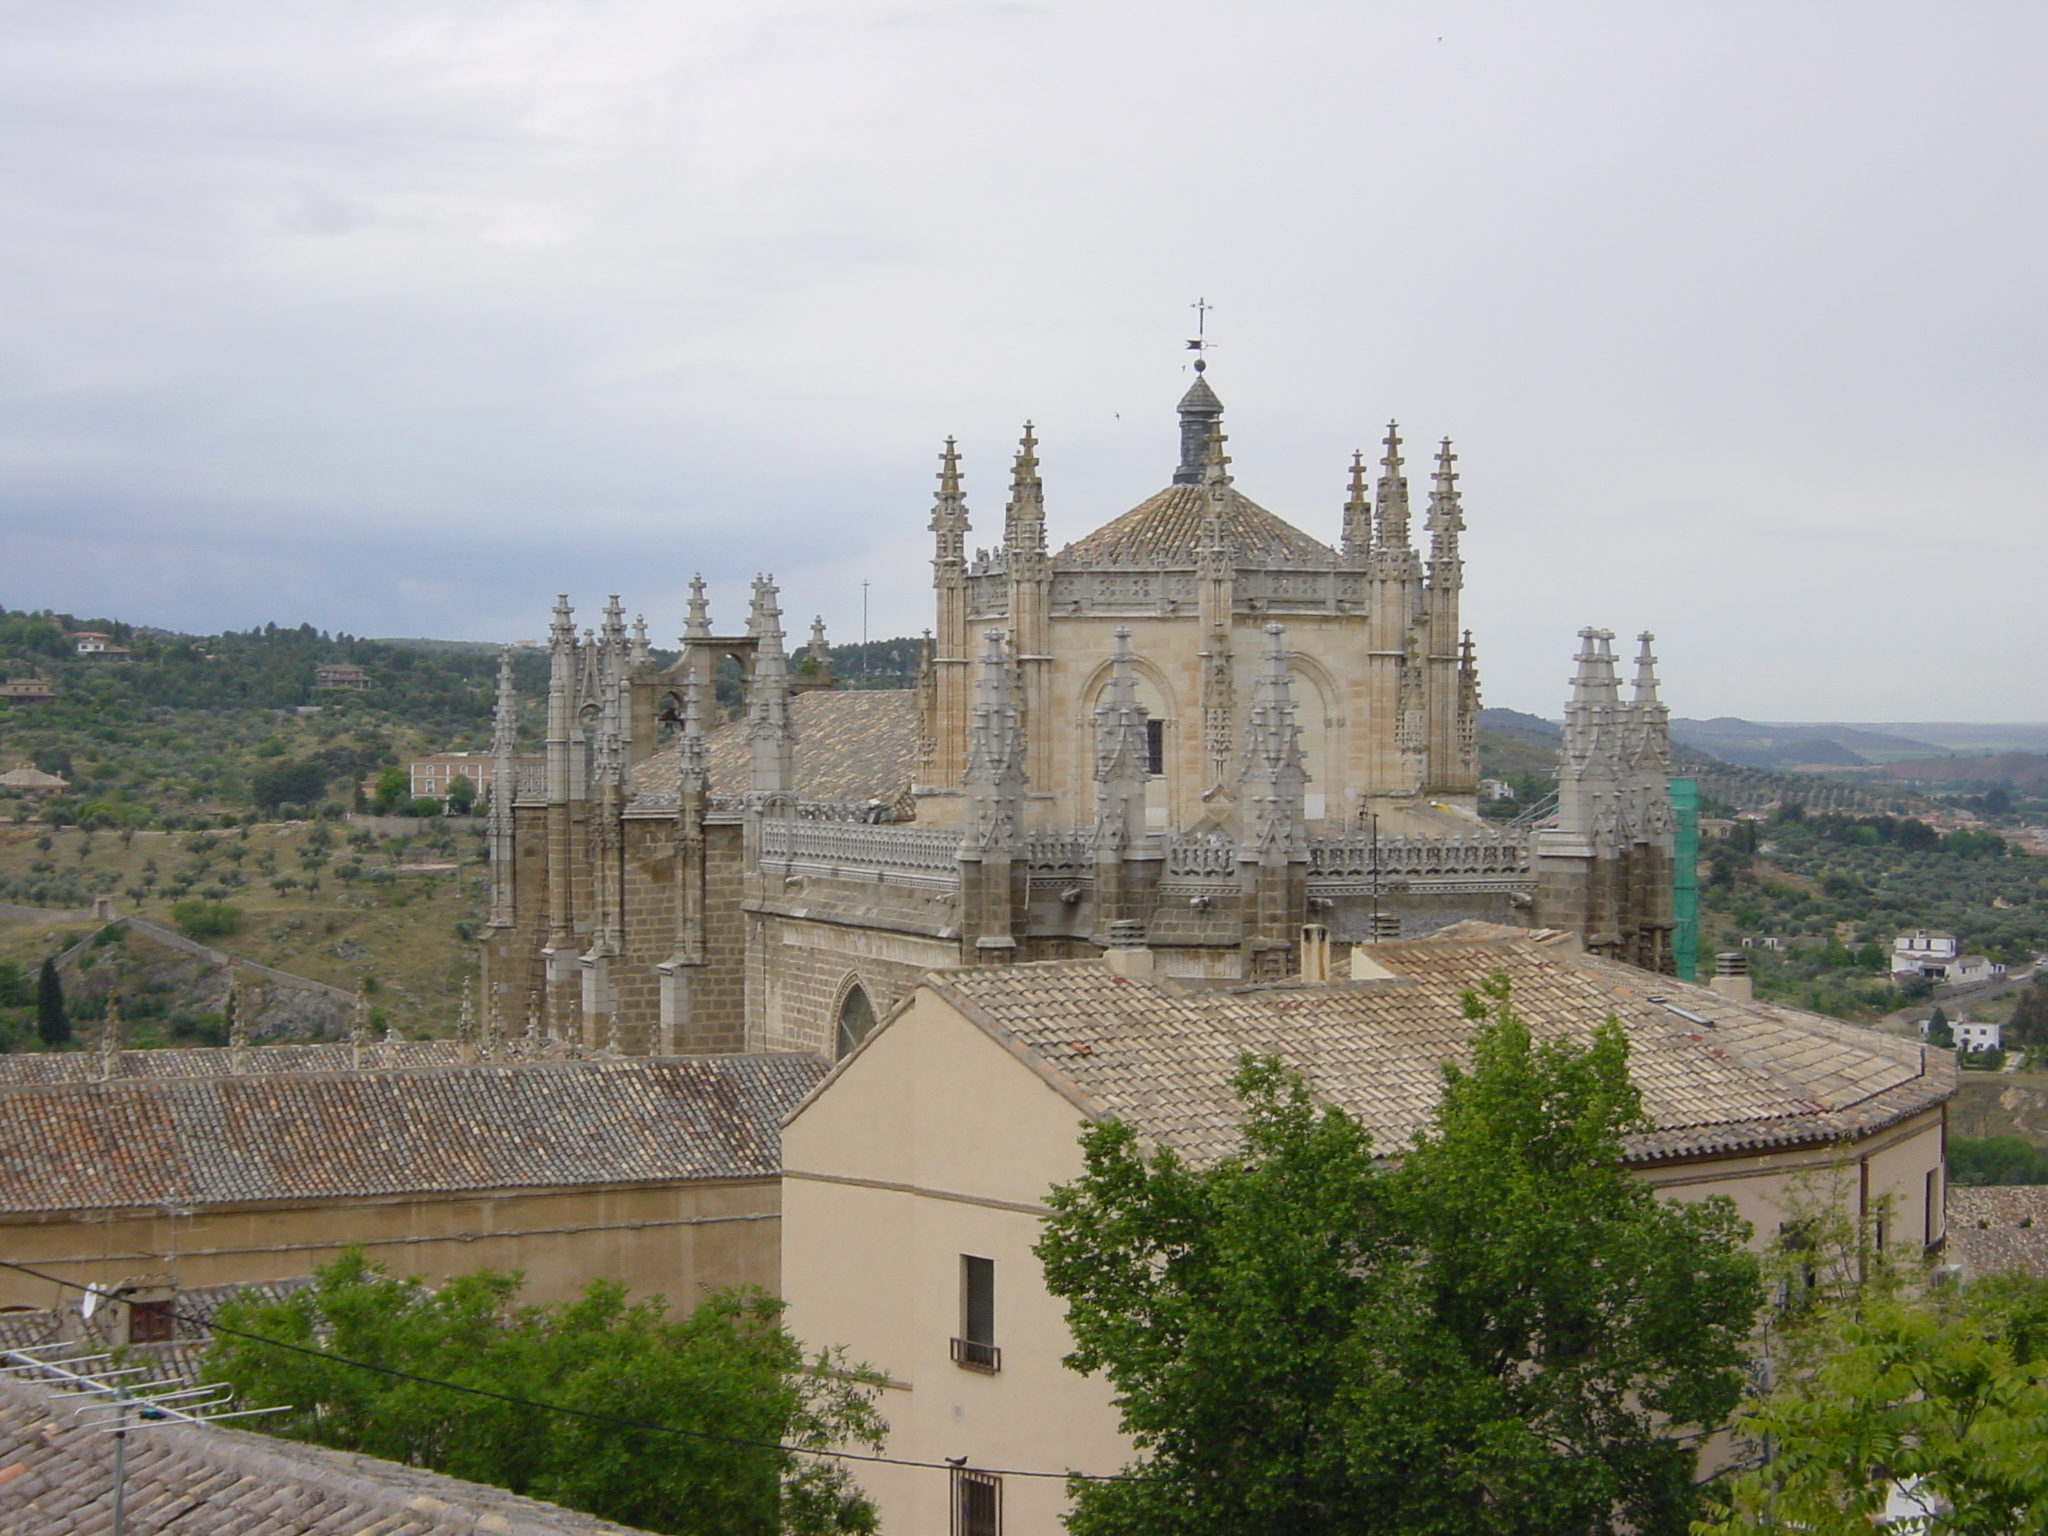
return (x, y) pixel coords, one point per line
(873, 1457)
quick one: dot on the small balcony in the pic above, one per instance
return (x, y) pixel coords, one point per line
(972, 1355)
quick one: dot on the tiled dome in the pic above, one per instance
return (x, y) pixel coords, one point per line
(1168, 530)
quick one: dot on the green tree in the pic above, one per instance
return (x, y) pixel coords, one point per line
(726, 1392)
(393, 785)
(287, 784)
(1506, 1333)
(1938, 1030)
(1941, 1392)
(1996, 1160)
(461, 795)
(15, 988)
(53, 1023)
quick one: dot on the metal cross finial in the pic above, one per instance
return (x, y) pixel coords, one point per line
(1199, 343)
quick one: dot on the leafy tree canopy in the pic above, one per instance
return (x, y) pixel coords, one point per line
(1505, 1333)
(1892, 1390)
(727, 1386)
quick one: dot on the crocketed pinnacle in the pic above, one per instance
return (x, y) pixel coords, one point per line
(505, 719)
(1358, 513)
(698, 625)
(562, 633)
(950, 521)
(1024, 517)
(1393, 495)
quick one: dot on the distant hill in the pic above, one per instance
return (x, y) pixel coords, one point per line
(1754, 744)
(2016, 769)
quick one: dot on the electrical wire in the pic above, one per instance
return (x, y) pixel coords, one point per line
(872, 1457)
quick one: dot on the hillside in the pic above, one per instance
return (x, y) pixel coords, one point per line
(396, 915)
(2012, 770)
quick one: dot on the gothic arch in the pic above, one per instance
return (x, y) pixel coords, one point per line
(854, 1016)
(1318, 705)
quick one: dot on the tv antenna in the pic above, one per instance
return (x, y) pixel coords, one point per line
(114, 1402)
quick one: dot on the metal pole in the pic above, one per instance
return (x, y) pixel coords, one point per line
(120, 1463)
(863, 629)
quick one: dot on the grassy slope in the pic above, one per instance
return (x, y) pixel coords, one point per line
(401, 935)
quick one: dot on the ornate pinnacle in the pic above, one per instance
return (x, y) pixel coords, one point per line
(949, 510)
(1358, 513)
(1024, 518)
(1445, 513)
(113, 1038)
(699, 622)
(1646, 670)
(505, 723)
(639, 652)
(562, 633)
(1393, 495)
(1215, 462)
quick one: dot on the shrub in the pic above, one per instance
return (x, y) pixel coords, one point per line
(206, 919)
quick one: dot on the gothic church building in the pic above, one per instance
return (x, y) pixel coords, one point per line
(1198, 730)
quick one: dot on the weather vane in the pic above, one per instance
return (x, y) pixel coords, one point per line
(1199, 343)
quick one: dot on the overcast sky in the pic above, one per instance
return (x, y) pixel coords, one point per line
(399, 318)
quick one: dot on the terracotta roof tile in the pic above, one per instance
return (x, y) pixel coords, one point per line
(223, 1481)
(317, 1135)
(852, 745)
(1161, 1054)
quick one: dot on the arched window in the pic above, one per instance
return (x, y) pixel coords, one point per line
(856, 1019)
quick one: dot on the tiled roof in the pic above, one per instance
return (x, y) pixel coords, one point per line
(852, 745)
(1998, 1227)
(28, 777)
(56, 1479)
(28, 1067)
(1160, 1054)
(321, 1135)
(1168, 530)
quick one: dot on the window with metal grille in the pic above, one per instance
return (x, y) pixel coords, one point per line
(151, 1322)
(1155, 747)
(975, 1345)
(977, 1503)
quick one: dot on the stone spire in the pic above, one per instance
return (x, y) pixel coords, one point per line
(950, 522)
(113, 1038)
(1446, 522)
(493, 1039)
(1024, 517)
(690, 744)
(1121, 752)
(640, 652)
(1391, 542)
(1652, 718)
(1201, 418)
(819, 651)
(238, 1028)
(465, 1032)
(1271, 786)
(698, 625)
(504, 789)
(995, 768)
(359, 1032)
(1357, 546)
(615, 641)
(608, 748)
(771, 737)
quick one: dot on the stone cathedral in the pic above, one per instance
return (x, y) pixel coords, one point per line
(1198, 730)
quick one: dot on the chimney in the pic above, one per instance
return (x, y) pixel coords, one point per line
(1315, 954)
(1127, 954)
(1731, 976)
